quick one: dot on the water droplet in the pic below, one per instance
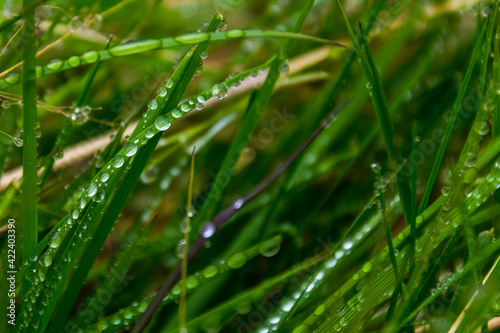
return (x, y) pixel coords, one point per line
(45, 260)
(55, 64)
(485, 129)
(270, 248)
(222, 25)
(207, 230)
(153, 104)
(18, 142)
(179, 250)
(104, 176)
(75, 213)
(117, 161)
(471, 160)
(445, 190)
(375, 167)
(204, 55)
(238, 203)
(284, 68)
(210, 271)
(90, 57)
(169, 83)
(78, 117)
(130, 149)
(99, 196)
(162, 91)
(91, 190)
(162, 123)
(185, 107)
(74, 24)
(176, 113)
(219, 91)
(55, 240)
(367, 267)
(237, 260)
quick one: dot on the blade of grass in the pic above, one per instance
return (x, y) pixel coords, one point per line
(381, 108)
(121, 50)
(187, 228)
(451, 121)
(30, 186)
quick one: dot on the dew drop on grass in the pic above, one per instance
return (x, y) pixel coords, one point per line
(162, 91)
(185, 107)
(176, 113)
(100, 196)
(179, 249)
(219, 91)
(204, 55)
(161, 123)
(445, 190)
(284, 68)
(18, 142)
(150, 133)
(198, 71)
(150, 174)
(210, 271)
(471, 160)
(207, 230)
(238, 203)
(184, 227)
(90, 56)
(45, 260)
(74, 61)
(75, 213)
(55, 240)
(169, 83)
(117, 161)
(270, 248)
(485, 129)
(153, 104)
(375, 167)
(192, 282)
(367, 267)
(237, 260)
(199, 106)
(6, 104)
(74, 24)
(130, 149)
(78, 117)
(91, 190)
(55, 64)
(201, 99)
(222, 25)
(104, 176)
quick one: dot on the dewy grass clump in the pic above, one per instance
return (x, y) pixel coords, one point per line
(248, 166)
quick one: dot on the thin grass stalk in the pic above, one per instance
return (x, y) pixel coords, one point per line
(187, 227)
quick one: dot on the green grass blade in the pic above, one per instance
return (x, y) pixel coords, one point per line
(131, 313)
(374, 84)
(30, 180)
(451, 121)
(91, 57)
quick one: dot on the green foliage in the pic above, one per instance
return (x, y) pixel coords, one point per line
(285, 228)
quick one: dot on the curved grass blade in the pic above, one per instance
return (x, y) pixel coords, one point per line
(213, 317)
(121, 50)
(131, 313)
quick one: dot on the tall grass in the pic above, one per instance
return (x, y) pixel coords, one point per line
(279, 225)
